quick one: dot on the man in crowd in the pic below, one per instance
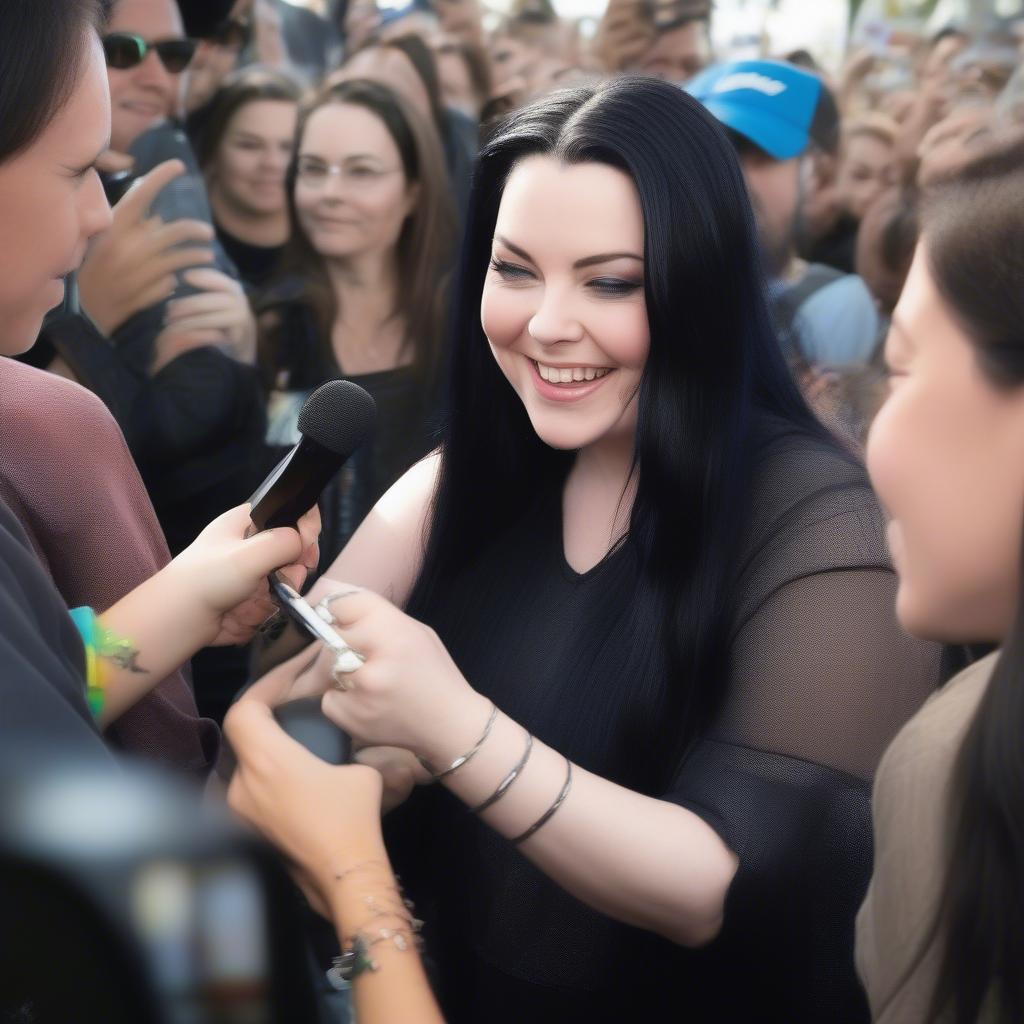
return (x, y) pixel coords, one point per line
(145, 92)
(785, 126)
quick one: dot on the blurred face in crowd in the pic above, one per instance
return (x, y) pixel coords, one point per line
(775, 194)
(679, 53)
(148, 93)
(216, 58)
(881, 269)
(392, 68)
(865, 170)
(360, 210)
(460, 18)
(946, 456)
(563, 303)
(253, 158)
(457, 89)
(511, 60)
(362, 19)
(51, 205)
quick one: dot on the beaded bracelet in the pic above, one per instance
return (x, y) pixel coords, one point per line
(355, 957)
(95, 688)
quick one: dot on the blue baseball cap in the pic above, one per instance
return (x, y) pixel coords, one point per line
(779, 107)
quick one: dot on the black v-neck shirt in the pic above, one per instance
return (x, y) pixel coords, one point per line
(821, 678)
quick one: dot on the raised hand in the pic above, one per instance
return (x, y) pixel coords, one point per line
(408, 692)
(224, 571)
(323, 817)
(219, 314)
(132, 266)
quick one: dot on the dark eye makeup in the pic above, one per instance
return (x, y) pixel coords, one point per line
(613, 287)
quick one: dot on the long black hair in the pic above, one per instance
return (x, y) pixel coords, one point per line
(713, 361)
(973, 232)
(41, 55)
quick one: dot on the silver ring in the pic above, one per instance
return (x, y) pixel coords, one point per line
(346, 661)
(341, 681)
(323, 606)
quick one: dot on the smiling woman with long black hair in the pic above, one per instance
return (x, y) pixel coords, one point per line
(663, 660)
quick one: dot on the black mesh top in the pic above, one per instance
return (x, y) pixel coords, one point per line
(820, 681)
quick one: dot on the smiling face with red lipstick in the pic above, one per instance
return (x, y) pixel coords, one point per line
(563, 304)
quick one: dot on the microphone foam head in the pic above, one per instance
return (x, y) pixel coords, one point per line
(339, 415)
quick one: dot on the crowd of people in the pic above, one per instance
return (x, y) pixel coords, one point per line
(686, 552)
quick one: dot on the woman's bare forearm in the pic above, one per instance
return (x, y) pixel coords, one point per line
(647, 862)
(366, 903)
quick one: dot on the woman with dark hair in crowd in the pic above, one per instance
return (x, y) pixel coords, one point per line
(662, 659)
(406, 64)
(363, 294)
(464, 75)
(244, 150)
(941, 934)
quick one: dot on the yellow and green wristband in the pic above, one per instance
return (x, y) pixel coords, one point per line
(92, 638)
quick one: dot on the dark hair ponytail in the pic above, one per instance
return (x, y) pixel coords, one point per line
(42, 44)
(974, 241)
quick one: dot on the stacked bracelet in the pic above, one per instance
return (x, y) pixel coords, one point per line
(95, 691)
(469, 755)
(508, 780)
(547, 815)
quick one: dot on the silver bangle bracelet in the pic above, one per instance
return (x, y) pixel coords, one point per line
(503, 786)
(460, 761)
(546, 816)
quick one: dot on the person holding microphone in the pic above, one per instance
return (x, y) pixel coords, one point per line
(54, 125)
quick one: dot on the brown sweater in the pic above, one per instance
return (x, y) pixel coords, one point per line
(910, 812)
(66, 474)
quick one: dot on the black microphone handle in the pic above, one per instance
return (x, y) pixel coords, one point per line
(294, 489)
(306, 723)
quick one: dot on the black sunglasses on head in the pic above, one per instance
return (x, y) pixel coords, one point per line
(124, 50)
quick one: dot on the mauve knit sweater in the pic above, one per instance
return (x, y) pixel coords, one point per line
(66, 473)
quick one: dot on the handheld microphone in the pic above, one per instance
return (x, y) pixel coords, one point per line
(334, 421)
(306, 723)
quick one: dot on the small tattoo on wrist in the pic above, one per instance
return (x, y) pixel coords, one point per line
(121, 653)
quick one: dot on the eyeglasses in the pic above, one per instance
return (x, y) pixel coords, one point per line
(232, 34)
(124, 50)
(315, 173)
